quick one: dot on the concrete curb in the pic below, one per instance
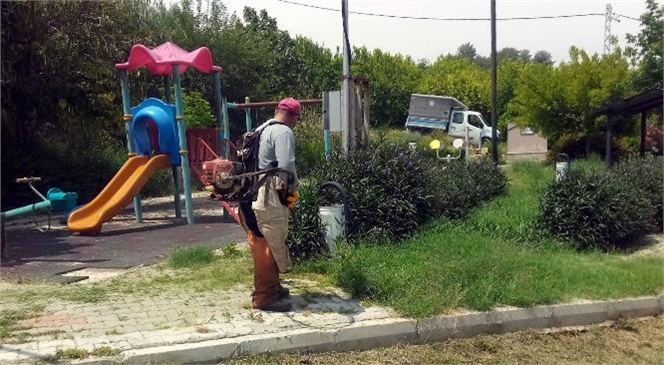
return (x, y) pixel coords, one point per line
(387, 332)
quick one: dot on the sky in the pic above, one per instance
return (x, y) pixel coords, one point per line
(428, 39)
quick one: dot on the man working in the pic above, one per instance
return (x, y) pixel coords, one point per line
(268, 244)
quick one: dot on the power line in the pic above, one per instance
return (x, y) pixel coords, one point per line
(446, 19)
(627, 17)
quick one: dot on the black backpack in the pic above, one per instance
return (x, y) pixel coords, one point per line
(242, 183)
(248, 155)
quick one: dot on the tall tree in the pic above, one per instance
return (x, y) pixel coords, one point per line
(509, 53)
(560, 100)
(460, 78)
(543, 57)
(467, 50)
(524, 55)
(645, 48)
(319, 69)
(392, 78)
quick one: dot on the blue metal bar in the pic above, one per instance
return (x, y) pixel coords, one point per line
(28, 209)
(247, 115)
(326, 123)
(186, 173)
(176, 192)
(326, 139)
(168, 95)
(126, 107)
(226, 127)
(218, 104)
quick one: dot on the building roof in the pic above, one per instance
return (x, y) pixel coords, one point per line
(636, 104)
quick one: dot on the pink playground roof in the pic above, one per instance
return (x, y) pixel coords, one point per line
(160, 60)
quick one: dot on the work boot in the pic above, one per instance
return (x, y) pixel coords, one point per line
(279, 305)
(283, 292)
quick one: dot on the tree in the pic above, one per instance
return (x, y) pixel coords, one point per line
(509, 53)
(509, 73)
(543, 57)
(645, 49)
(392, 78)
(319, 69)
(467, 50)
(559, 101)
(462, 79)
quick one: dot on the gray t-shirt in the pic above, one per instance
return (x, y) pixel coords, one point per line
(277, 144)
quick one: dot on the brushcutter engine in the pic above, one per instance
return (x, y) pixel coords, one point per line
(221, 178)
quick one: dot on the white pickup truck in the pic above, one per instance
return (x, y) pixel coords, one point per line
(428, 112)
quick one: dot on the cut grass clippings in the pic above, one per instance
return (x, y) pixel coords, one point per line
(78, 354)
(495, 257)
(592, 345)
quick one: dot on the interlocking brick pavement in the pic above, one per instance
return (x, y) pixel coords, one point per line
(126, 322)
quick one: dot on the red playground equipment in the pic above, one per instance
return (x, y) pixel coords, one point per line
(206, 163)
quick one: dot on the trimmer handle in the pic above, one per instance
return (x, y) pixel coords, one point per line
(27, 180)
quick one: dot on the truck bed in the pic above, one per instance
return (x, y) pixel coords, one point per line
(425, 122)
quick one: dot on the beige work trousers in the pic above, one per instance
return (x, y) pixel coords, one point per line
(272, 220)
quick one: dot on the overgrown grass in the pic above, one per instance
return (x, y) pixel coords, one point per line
(495, 257)
(9, 319)
(190, 257)
(198, 269)
(204, 273)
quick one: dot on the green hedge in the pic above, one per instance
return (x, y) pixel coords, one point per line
(605, 210)
(393, 190)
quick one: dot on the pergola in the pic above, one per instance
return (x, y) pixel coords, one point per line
(638, 104)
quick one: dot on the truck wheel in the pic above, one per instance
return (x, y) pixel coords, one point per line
(486, 141)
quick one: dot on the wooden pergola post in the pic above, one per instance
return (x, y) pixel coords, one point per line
(643, 133)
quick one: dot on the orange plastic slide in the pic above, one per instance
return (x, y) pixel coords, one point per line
(117, 194)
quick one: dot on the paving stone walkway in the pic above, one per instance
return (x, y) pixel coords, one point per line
(126, 322)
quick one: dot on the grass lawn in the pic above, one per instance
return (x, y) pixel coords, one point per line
(495, 257)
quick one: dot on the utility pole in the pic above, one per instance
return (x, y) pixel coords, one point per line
(608, 17)
(346, 118)
(494, 102)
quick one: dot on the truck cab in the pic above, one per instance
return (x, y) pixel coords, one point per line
(429, 112)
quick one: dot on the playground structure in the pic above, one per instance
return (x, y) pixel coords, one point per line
(156, 137)
(55, 200)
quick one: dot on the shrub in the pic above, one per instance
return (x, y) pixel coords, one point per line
(574, 144)
(644, 176)
(654, 139)
(393, 190)
(85, 170)
(386, 187)
(310, 146)
(306, 235)
(606, 211)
